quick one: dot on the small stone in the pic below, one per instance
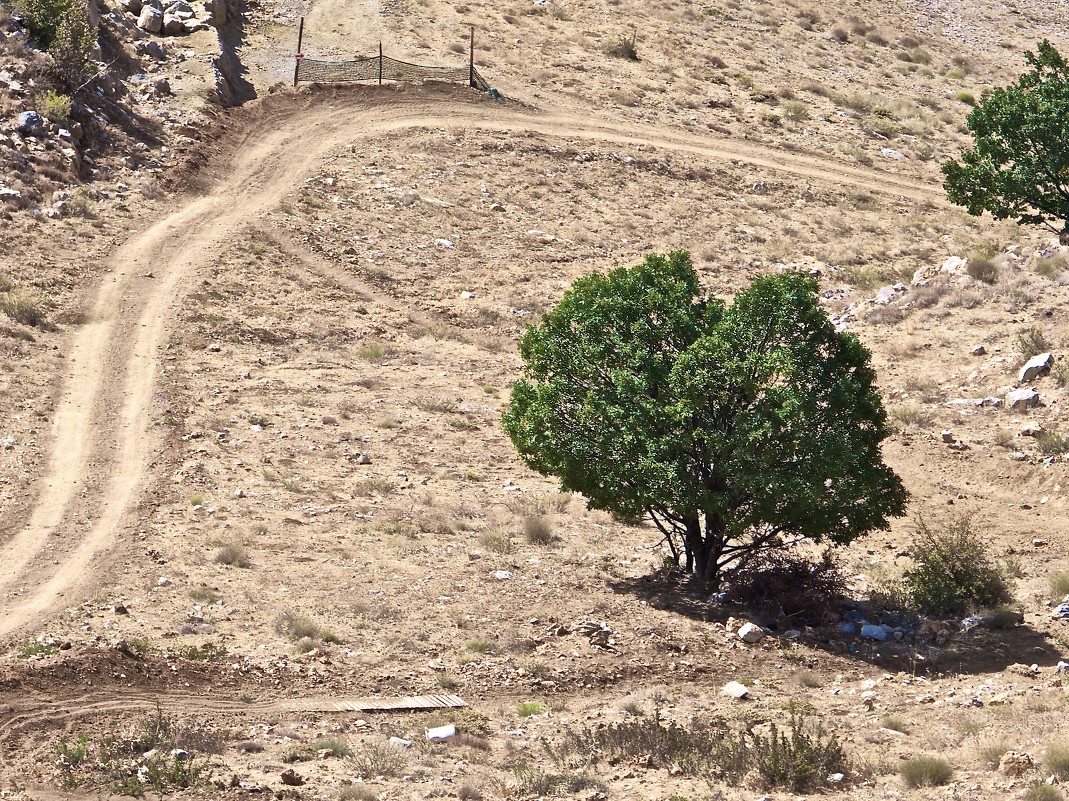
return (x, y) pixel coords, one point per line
(120, 609)
(239, 493)
(736, 690)
(9, 443)
(400, 742)
(889, 153)
(502, 575)
(467, 295)
(947, 436)
(329, 420)
(363, 458)
(751, 633)
(30, 123)
(979, 350)
(163, 581)
(445, 243)
(215, 347)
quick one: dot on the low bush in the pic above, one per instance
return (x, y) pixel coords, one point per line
(1057, 760)
(952, 570)
(624, 47)
(984, 270)
(1043, 792)
(926, 771)
(1059, 585)
(1032, 342)
(23, 309)
(375, 759)
(537, 530)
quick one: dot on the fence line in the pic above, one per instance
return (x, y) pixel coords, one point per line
(382, 68)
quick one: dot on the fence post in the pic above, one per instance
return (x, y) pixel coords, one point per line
(471, 59)
(299, 55)
(380, 63)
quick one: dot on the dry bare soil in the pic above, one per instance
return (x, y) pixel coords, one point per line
(253, 464)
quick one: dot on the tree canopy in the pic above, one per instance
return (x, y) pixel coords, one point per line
(735, 428)
(1019, 163)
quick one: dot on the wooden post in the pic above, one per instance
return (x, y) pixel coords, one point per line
(380, 63)
(299, 55)
(471, 59)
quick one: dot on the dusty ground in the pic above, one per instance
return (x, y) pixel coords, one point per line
(263, 410)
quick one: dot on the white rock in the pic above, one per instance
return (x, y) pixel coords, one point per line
(751, 633)
(955, 265)
(1035, 367)
(1020, 399)
(444, 243)
(502, 575)
(151, 20)
(979, 350)
(734, 689)
(893, 154)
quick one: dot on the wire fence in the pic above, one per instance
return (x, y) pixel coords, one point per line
(383, 68)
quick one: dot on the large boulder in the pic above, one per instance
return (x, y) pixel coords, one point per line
(151, 19)
(30, 123)
(172, 25)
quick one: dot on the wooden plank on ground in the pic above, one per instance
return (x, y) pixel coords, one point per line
(378, 704)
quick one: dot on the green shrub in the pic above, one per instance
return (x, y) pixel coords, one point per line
(55, 106)
(526, 709)
(926, 771)
(797, 761)
(1051, 443)
(952, 570)
(374, 759)
(968, 98)
(991, 752)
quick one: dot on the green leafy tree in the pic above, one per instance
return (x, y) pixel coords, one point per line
(72, 48)
(1019, 163)
(62, 27)
(736, 428)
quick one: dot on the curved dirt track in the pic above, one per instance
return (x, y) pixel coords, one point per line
(101, 435)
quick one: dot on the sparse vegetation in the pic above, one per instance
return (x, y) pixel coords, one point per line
(985, 270)
(232, 553)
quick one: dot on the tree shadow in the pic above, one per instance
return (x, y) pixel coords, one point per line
(939, 646)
